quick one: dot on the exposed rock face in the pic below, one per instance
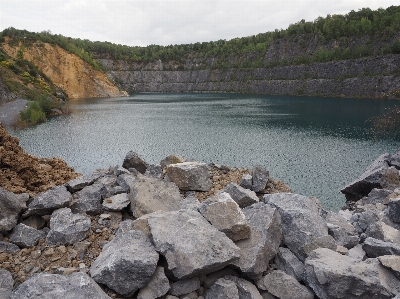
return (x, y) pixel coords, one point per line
(54, 286)
(152, 194)
(183, 234)
(47, 202)
(129, 255)
(302, 227)
(133, 160)
(193, 176)
(67, 228)
(10, 209)
(262, 246)
(225, 214)
(332, 275)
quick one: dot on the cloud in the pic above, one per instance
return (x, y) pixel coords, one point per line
(166, 22)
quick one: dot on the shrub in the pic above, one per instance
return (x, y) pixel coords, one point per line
(33, 115)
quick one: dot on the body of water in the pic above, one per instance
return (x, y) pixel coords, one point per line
(315, 145)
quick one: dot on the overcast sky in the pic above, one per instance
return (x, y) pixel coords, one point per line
(165, 22)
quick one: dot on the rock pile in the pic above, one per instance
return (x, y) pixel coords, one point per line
(142, 232)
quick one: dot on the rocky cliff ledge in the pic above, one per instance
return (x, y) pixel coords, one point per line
(185, 229)
(373, 77)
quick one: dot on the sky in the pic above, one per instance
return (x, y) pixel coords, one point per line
(166, 22)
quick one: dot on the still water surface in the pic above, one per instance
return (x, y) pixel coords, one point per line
(315, 145)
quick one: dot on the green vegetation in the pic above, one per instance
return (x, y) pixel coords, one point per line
(38, 111)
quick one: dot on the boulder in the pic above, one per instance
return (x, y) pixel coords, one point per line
(8, 247)
(158, 286)
(377, 175)
(284, 286)
(246, 181)
(341, 230)
(126, 181)
(243, 197)
(391, 262)
(374, 248)
(25, 236)
(118, 170)
(377, 196)
(152, 194)
(262, 246)
(357, 252)
(190, 202)
(223, 288)
(211, 278)
(67, 228)
(225, 214)
(246, 289)
(133, 160)
(185, 286)
(154, 171)
(6, 284)
(394, 209)
(193, 176)
(126, 264)
(286, 261)
(54, 286)
(36, 222)
(83, 181)
(182, 235)
(332, 275)
(117, 202)
(171, 159)
(303, 228)
(55, 198)
(260, 178)
(10, 208)
(88, 200)
(382, 231)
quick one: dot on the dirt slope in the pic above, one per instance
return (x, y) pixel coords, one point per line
(67, 71)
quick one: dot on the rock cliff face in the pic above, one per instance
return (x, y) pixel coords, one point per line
(67, 71)
(372, 77)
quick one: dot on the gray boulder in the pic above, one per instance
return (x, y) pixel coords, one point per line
(246, 289)
(211, 278)
(223, 289)
(36, 222)
(243, 197)
(10, 208)
(126, 264)
(341, 230)
(8, 247)
(190, 202)
(55, 198)
(118, 170)
(332, 275)
(302, 226)
(6, 284)
(67, 228)
(25, 236)
(262, 246)
(185, 286)
(191, 245)
(357, 252)
(225, 214)
(158, 286)
(117, 202)
(377, 196)
(260, 178)
(171, 159)
(54, 286)
(374, 248)
(246, 181)
(133, 160)
(382, 231)
(83, 181)
(394, 209)
(126, 181)
(286, 261)
(284, 286)
(88, 200)
(193, 176)
(154, 171)
(152, 194)
(377, 175)
(391, 262)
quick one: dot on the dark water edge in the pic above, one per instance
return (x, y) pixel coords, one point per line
(315, 145)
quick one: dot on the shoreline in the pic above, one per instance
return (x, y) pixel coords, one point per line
(9, 111)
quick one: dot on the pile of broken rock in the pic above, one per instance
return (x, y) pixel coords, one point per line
(139, 231)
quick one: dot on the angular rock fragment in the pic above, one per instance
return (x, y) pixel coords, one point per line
(54, 286)
(391, 262)
(357, 252)
(83, 181)
(190, 176)
(332, 275)
(151, 194)
(284, 286)
(126, 181)
(158, 286)
(287, 262)
(382, 231)
(118, 170)
(25, 236)
(260, 178)
(117, 202)
(171, 159)
(154, 171)
(10, 209)
(36, 222)
(262, 246)
(182, 235)
(6, 284)
(126, 264)
(211, 278)
(394, 209)
(8, 247)
(374, 248)
(190, 202)
(246, 289)
(243, 197)
(185, 286)
(67, 228)
(246, 181)
(133, 160)
(223, 288)
(302, 226)
(342, 231)
(377, 196)
(225, 215)
(89, 199)
(55, 198)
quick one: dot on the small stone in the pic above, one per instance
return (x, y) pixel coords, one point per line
(133, 160)
(193, 176)
(341, 249)
(246, 181)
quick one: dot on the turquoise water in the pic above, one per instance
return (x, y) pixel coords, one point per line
(315, 145)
